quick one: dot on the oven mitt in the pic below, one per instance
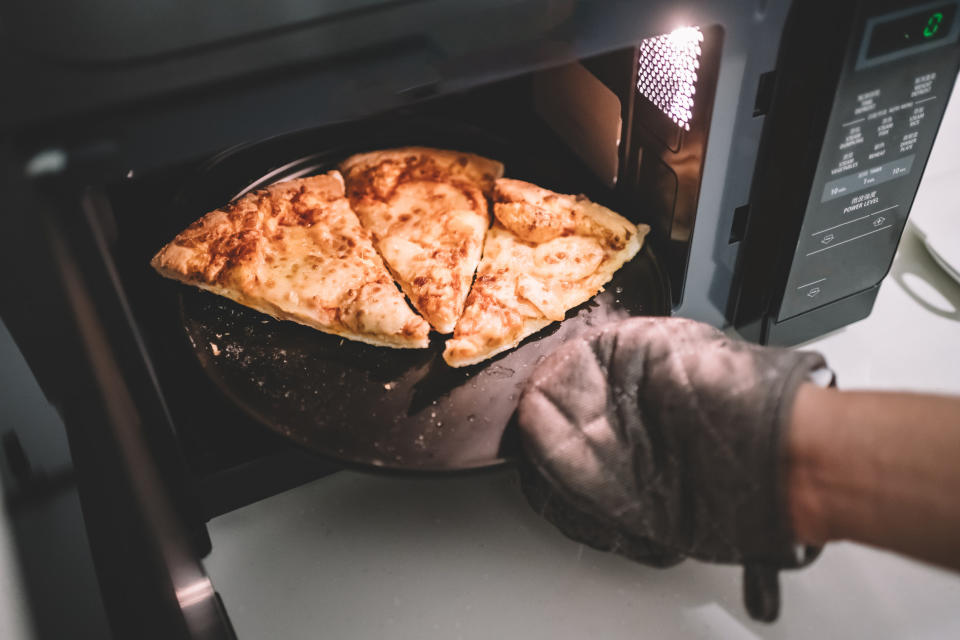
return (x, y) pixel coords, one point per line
(662, 438)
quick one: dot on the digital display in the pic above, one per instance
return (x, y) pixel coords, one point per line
(912, 30)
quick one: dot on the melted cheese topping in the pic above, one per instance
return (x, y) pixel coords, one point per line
(428, 215)
(297, 251)
(545, 254)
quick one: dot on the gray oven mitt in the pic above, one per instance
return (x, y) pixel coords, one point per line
(662, 438)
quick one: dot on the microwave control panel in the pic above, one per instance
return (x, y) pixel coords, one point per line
(889, 102)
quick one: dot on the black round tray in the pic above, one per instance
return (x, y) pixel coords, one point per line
(398, 409)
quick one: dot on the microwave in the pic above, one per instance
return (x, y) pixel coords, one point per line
(774, 148)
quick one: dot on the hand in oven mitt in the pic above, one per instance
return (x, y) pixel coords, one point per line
(662, 438)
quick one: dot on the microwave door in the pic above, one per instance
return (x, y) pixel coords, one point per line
(72, 327)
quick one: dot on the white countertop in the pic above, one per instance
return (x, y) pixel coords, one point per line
(358, 556)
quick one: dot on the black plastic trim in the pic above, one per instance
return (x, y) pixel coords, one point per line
(808, 70)
(821, 320)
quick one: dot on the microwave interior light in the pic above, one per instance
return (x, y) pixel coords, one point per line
(667, 72)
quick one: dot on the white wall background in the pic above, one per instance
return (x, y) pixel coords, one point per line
(945, 157)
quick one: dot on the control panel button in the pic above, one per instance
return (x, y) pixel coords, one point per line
(923, 85)
(872, 176)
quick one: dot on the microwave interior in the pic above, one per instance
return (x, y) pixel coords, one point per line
(627, 128)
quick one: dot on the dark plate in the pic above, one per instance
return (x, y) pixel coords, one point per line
(399, 409)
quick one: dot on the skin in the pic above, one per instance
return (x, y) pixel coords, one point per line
(878, 468)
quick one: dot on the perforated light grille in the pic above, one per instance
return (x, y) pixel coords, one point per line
(667, 74)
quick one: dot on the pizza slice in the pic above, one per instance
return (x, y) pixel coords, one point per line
(296, 251)
(427, 211)
(545, 254)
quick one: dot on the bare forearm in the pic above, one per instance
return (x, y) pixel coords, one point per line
(878, 468)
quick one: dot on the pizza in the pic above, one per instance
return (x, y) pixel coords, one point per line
(545, 254)
(328, 251)
(427, 212)
(297, 251)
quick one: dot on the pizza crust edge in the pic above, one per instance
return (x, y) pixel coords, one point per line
(273, 312)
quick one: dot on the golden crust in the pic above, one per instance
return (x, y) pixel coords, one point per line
(545, 254)
(427, 211)
(296, 251)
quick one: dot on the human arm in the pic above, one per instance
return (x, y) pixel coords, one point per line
(662, 438)
(877, 468)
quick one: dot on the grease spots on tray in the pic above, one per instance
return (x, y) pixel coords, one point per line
(388, 408)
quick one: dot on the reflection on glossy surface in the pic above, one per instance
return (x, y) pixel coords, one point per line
(195, 592)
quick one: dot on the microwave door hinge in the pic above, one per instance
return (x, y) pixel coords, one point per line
(764, 97)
